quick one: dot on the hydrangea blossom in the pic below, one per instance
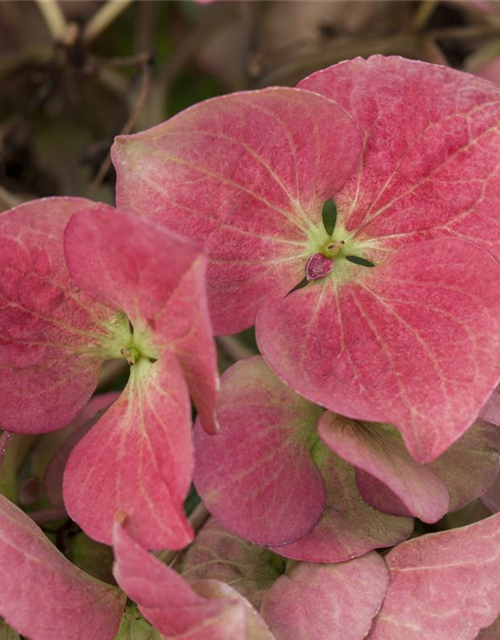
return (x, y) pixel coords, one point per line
(409, 152)
(81, 284)
(277, 472)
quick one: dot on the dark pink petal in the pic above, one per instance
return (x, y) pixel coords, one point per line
(349, 527)
(334, 601)
(84, 421)
(442, 585)
(257, 476)
(413, 342)
(138, 459)
(157, 279)
(52, 335)
(168, 602)
(43, 595)
(246, 174)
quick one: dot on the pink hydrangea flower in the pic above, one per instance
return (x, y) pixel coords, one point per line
(318, 487)
(81, 284)
(409, 152)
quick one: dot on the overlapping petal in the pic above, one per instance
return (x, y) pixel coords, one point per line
(43, 595)
(209, 610)
(84, 283)
(418, 201)
(349, 527)
(246, 174)
(412, 342)
(297, 599)
(157, 279)
(257, 477)
(51, 333)
(138, 458)
(264, 476)
(334, 601)
(464, 472)
(442, 585)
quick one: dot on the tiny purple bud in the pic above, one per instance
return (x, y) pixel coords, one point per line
(318, 267)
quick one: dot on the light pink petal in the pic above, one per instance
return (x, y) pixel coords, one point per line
(167, 601)
(218, 555)
(157, 279)
(257, 476)
(246, 174)
(442, 585)
(413, 342)
(138, 459)
(51, 334)
(430, 163)
(43, 595)
(334, 601)
(349, 527)
(84, 421)
(379, 451)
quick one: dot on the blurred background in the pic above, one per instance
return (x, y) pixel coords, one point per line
(75, 73)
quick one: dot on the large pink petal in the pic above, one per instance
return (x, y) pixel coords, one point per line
(138, 459)
(379, 451)
(246, 174)
(51, 334)
(430, 164)
(442, 585)
(43, 595)
(168, 601)
(334, 601)
(413, 342)
(157, 279)
(349, 527)
(257, 476)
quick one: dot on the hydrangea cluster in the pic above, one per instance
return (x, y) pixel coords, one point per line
(354, 220)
